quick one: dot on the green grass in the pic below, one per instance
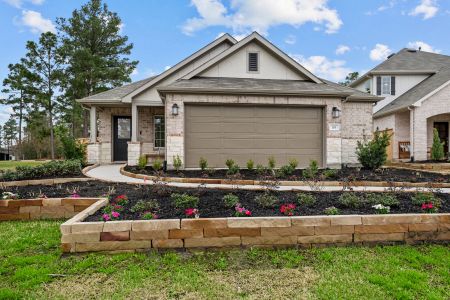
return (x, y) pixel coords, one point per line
(32, 267)
(12, 164)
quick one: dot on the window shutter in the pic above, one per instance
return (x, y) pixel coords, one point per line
(379, 85)
(392, 85)
(253, 62)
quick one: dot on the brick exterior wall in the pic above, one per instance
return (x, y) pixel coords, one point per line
(355, 122)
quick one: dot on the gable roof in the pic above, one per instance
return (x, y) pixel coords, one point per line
(253, 86)
(264, 42)
(126, 92)
(417, 93)
(408, 61)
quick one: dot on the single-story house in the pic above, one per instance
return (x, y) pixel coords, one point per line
(416, 88)
(239, 100)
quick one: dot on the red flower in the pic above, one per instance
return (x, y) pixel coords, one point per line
(248, 213)
(288, 209)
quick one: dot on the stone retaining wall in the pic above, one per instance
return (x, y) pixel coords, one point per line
(54, 208)
(308, 231)
(5, 184)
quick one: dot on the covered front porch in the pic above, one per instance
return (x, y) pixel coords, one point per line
(122, 133)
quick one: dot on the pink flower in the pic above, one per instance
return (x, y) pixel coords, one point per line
(115, 214)
(287, 209)
(75, 195)
(248, 213)
(106, 217)
(190, 212)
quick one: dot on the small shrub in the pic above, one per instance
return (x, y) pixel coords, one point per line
(157, 164)
(293, 163)
(271, 163)
(331, 211)
(230, 200)
(306, 199)
(266, 200)
(47, 170)
(250, 165)
(421, 197)
(372, 155)
(177, 163)
(288, 209)
(72, 149)
(121, 200)
(149, 205)
(330, 173)
(240, 211)
(234, 169)
(312, 170)
(381, 209)
(142, 162)
(148, 215)
(382, 198)
(349, 200)
(203, 164)
(184, 201)
(285, 171)
(437, 149)
(260, 169)
(229, 163)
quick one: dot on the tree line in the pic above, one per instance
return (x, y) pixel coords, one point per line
(87, 55)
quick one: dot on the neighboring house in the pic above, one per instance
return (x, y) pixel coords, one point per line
(239, 100)
(416, 88)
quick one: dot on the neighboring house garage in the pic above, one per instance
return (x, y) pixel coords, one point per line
(243, 132)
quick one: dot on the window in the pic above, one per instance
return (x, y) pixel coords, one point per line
(253, 63)
(385, 85)
(124, 128)
(160, 131)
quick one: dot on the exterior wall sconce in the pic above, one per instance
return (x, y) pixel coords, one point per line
(175, 110)
(335, 112)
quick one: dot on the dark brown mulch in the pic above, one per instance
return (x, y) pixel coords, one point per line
(211, 204)
(345, 174)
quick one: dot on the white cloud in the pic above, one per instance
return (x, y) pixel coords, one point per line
(36, 22)
(427, 8)
(135, 72)
(380, 52)
(249, 15)
(290, 39)
(19, 3)
(167, 68)
(5, 113)
(424, 46)
(121, 27)
(342, 49)
(321, 66)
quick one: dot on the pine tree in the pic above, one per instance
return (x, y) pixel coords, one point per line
(10, 132)
(437, 150)
(96, 52)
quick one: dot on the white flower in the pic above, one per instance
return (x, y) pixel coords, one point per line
(8, 195)
(382, 207)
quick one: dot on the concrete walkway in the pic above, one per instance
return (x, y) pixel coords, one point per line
(111, 173)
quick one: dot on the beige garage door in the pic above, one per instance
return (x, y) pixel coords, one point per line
(241, 132)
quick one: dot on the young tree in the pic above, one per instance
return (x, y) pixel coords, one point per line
(96, 53)
(10, 132)
(45, 64)
(350, 78)
(437, 149)
(18, 90)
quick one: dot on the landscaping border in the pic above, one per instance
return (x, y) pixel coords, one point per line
(45, 208)
(301, 231)
(286, 183)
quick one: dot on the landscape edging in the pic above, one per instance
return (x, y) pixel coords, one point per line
(298, 231)
(285, 183)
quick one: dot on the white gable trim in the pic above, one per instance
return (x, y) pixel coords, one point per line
(183, 63)
(252, 37)
(419, 103)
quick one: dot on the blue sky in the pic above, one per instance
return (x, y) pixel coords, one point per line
(329, 37)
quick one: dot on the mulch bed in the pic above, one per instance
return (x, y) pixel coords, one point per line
(211, 203)
(345, 174)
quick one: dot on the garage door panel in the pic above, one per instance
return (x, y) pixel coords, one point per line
(243, 132)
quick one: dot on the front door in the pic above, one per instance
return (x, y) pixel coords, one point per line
(442, 128)
(121, 136)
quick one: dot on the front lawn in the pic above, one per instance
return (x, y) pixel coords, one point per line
(12, 164)
(31, 267)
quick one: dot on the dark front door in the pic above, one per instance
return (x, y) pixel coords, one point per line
(442, 128)
(122, 135)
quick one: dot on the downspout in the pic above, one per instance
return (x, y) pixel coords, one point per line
(412, 140)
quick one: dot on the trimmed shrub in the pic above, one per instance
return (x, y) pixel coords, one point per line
(142, 162)
(330, 173)
(437, 149)
(422, 197)
(47, 170)
(229, 163)
(230, 200)
(271, 163)
(250, 165)
(293, 163)
(142, 206)
(350, 200)
(72, 149)
(383, 199)
(372, 155)
(306, 199)
(177, 163)
(184, 201)
(312, 170)
(157, 164)
(203, 164)
(331, 211)
(266, 200)
(234, 169)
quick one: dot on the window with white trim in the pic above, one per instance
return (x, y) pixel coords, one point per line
(253, 62)
(159, 130)
(386, 85)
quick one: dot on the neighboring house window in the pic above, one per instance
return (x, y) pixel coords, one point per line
(160, 131)
(385, 85)
(253, 62)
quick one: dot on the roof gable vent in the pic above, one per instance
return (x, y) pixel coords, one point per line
(390, 55)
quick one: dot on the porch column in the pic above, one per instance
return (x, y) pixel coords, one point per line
(93, 125)
(134, 123)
